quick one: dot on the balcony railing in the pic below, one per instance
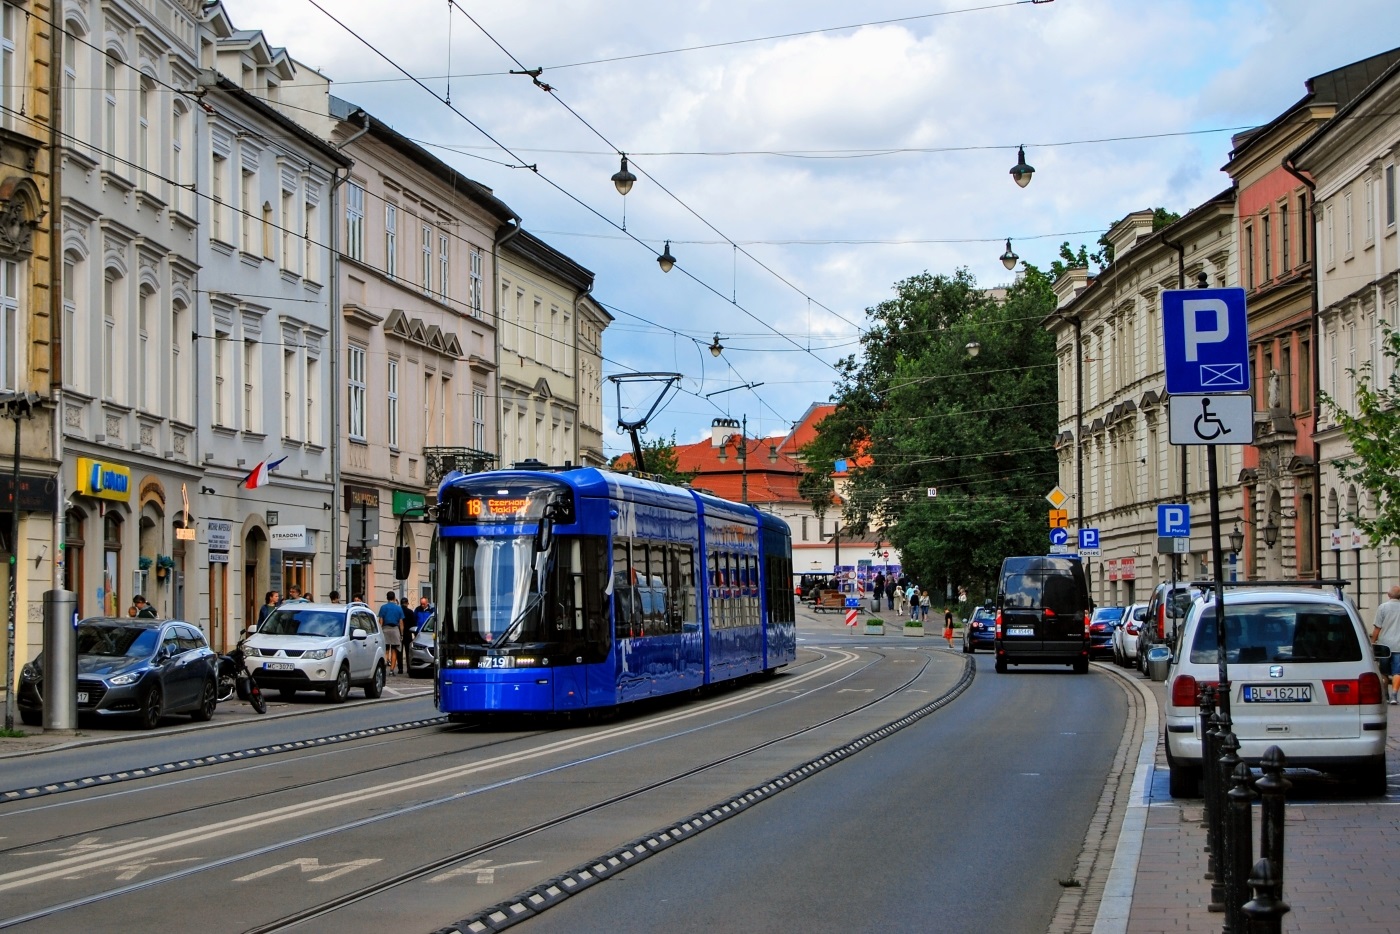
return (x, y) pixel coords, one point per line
(442, 461)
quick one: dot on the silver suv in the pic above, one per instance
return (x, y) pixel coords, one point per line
(1302, 677)
(328, 647)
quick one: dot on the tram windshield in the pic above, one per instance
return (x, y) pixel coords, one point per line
(502, 591)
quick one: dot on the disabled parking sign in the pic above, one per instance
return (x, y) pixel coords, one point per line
(1206, 341)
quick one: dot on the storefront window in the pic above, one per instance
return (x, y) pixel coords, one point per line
(74, 530)
(111, 564)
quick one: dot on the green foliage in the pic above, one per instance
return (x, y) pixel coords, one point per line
(1161, 217)
(659, 458)
(979, 429)
(1374, 433)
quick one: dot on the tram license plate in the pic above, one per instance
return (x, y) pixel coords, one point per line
(1020, 631)
(1278, 693)
(82, 697)
(497, 661)
(278, 666)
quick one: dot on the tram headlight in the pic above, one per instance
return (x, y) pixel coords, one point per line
(524, 661)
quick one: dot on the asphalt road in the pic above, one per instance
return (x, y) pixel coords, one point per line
(966, 821)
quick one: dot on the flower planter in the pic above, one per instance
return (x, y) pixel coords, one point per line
(874, 629)
(916, 632)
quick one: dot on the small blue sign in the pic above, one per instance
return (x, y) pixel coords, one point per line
(1088, 539)
(1174, 520)
(1059, 536)
(1206, 341)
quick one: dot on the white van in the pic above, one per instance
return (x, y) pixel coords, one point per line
(1303, 677)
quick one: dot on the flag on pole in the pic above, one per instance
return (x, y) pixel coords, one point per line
(259, 474)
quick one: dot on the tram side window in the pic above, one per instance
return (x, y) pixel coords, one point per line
(627, 608)
(681, 567)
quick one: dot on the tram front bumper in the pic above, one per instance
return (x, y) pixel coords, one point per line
(472, 690)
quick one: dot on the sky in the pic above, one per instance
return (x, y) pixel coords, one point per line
(803, 157)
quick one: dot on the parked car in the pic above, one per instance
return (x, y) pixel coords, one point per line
(422, 650)
(1302, 677)
(1043, 609)
(1125, 637)
(1101, 628)
(328, 647)
(132, 668)
(1166, 610)
(981, 630)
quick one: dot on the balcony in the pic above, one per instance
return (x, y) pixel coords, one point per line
(439, 462)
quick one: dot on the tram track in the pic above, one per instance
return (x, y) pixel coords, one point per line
(16, 880)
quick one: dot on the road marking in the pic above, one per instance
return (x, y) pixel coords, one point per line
(856, 691)
(310, 864)
(483, 870)
(122, 852)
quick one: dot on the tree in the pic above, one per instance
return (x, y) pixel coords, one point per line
(1374, 433)
(1103, 256)
(918, 412)
(660, 460)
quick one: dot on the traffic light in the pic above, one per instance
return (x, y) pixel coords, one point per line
(1059, 518)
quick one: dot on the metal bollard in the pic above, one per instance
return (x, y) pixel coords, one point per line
(1272, 787)
(1205, 706)
(1266, 909)
(1215, 798)
(1239, 844)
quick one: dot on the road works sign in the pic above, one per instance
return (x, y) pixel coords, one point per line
(1206, 343)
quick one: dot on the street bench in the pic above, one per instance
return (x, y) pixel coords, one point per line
(829, 601)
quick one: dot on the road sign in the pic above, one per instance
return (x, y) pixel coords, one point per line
(932, 492)
(1089, 542)
(1174, 520)
(1206, 342)
(1060, 549)
(1215, 419)
(1059, 536)
(850, 617)
(1059, 518)
(1173, 546)
(1057, 498)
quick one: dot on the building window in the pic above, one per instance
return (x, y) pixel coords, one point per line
(220, 377)
(311, 269)
(289, 227)
(355, 222)
(9, 320)
(427, 260)
(143, 128)
(478, 418)
(70, 79)
(217, 181)
(110, 293)
(143, 351)
(476, 281)
(289, 398)
(443, 267)
(251, 422)
(1347, 221)
(1284, 247)
(267, 229)
(178, 174)
(1390, 195)
(393, 421)
(70, 319)
(1331, 235)
(179, 390)
(1303, 223)
(1268, 247)
(248, 215)
(391, 240)
(1249, 256)
(1369, 233)
(355, 378)
(313, 411)
(109, 129)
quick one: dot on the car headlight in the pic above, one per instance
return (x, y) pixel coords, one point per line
(318, 653)
(128, 678)
(252, 651)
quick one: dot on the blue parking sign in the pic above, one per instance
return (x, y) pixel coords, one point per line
(1088, 539)
(1174, 520)
(1206, 341)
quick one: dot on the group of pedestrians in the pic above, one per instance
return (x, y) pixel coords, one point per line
(399, 622)
(902, 593)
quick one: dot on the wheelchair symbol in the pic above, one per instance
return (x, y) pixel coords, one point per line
(1209, 418)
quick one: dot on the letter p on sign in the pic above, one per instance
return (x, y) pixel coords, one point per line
(1197, 309)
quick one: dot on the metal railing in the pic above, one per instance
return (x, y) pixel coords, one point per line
(439, 462)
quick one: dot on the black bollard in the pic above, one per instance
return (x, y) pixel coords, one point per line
(1205, 705)
(1215, 799)
(1272, 787)
(1264, 912)
(1239, 842)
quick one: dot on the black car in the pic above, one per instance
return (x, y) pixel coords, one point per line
(981, 630)
(1043, 609)
(137, 668)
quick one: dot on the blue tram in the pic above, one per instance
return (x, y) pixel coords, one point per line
(577, 589)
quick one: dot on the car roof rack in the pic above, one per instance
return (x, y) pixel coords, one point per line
(1336, 583)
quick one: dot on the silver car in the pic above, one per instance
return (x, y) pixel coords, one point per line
(328, 647)
(422, 649)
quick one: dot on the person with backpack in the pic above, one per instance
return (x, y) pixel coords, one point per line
(913, 596)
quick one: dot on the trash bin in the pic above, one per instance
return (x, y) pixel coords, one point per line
(1159, 659)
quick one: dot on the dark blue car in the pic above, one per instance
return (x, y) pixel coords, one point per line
(1101, 626)
(981, 630)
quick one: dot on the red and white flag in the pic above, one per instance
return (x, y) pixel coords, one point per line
(259, 474)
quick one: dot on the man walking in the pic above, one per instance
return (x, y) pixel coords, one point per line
(1387, 632)
(390, 620)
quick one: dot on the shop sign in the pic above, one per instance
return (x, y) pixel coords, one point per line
(36, 493)
(409, 502)
(218, 534)
(218, 557)
(103, 480)
(356, 496)
(1127, 568)
(290, 538)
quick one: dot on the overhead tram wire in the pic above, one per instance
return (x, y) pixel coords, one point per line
(549, 181)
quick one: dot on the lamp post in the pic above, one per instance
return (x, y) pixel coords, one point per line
(14, 406)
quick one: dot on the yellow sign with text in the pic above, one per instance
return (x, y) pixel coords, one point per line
(103, 480)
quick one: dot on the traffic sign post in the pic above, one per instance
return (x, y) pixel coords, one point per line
(1089, 543)
(1059, 518)
(1174, 520)
(1211, 419)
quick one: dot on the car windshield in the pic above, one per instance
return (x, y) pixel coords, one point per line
(1278, 632)
(1107, 614)
(328, 624)
(429, 626)
(117, 641)
(983, 614)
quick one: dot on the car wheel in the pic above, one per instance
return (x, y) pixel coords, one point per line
(151, 704)
(31, 717)
(340, 690)
(208, 700)
(286, 693)
(1371, 778)
(968, 649)
(376, 685)
(1000, 666)
(1183, 781)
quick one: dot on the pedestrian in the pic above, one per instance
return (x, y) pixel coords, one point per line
(879, 589)
(890, 588)
(424, 612)
(270, 602)
(335, 596)
(923, 606)
(948, 625)
(899, 600)
(913, 596)
(294, 595)
(1386, 631)
(391, 621)
(143, 609)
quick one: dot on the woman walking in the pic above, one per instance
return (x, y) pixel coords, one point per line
(948, 625)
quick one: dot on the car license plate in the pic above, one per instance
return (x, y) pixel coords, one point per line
(82, 697)
(1020, 631)
(496, 661)
(1278, 693)
(278, 666)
